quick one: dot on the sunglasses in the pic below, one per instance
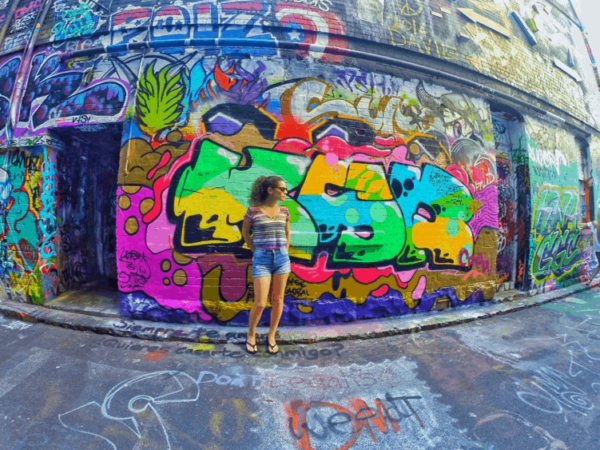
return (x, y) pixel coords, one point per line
(282, 189)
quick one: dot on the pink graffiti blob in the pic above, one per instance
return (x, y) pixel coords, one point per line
(396, 155)
(381, 291)
(234, 275)
(370, 275)
(317, 273)
(487, 215)
(332, 159)
(160, 231)
(162, 183)
(420, 289)
(158, 275)
(461, 175)
(388, 141)
(338, 146)
(295, 146)
(336, 149)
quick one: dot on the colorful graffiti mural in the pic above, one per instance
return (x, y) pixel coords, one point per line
(514, 199)
(321, 28)
(71, 22)
(406, 195)
(28, 262)
(560, 251)
(393, 197)
(301, 22)
(58, 95)
(8, 73)
(507, 200)
(21, 25)
(559, 248)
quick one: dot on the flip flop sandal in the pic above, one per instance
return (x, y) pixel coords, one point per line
(253, 346)
(272, 347)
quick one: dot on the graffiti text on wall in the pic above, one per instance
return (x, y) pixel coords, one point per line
(71, 22)
(559, 242)
(313, 25)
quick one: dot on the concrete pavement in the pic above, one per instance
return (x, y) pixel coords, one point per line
(526, 380)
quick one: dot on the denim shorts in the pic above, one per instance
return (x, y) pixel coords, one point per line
(267, 262)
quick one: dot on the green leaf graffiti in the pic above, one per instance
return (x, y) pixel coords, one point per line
(162, 97)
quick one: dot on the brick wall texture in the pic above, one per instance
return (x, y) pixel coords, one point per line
(407, 192)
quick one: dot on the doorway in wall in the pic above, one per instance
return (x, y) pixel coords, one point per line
(86, 213)
(513, 198)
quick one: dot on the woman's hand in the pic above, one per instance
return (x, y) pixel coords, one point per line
(246, 236)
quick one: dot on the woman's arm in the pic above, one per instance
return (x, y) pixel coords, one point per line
(288, 234)
(246, 235)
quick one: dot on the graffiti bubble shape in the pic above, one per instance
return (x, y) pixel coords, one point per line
(354, 211)
(56, 95)
(435, 206)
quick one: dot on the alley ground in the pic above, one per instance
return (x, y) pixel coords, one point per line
(525, 380)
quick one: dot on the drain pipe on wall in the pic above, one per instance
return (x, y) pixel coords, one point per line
(587, 44)
(24, 69)
(8, 18)
(218, 42)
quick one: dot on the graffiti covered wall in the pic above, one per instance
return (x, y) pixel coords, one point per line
(21, 24)
(482, 36)
(406, 194)
(28, 266)
(560, 250)
(514, 200)
(392, 189)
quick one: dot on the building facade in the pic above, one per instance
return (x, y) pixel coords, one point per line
(437, 152)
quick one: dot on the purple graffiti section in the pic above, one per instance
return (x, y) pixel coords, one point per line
(8, 72)
(105, 99)
(487, 215)
(56, 95)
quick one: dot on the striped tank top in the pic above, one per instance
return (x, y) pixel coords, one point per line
(267, 232)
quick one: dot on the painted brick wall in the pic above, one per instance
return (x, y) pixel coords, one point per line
(463, 36)
(394, 184)
(560, 250)
(476, 35)
(21, 25)
(28, 269)
(4, 5)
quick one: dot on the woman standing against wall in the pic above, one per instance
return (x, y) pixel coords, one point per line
(266, 231)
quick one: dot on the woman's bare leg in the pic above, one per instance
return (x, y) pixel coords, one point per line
(277, 294)
(261, 294)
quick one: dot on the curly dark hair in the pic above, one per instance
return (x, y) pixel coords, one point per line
(260, 189)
